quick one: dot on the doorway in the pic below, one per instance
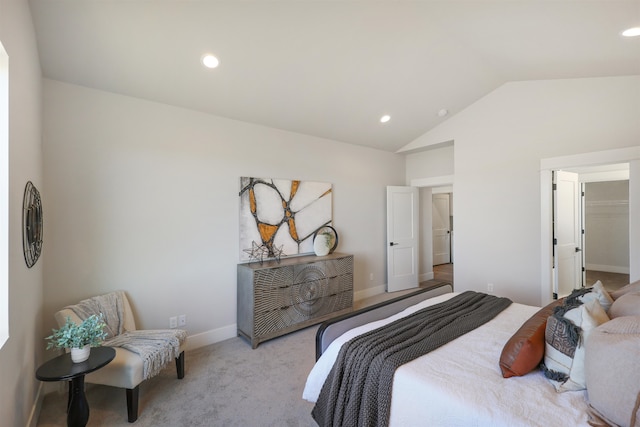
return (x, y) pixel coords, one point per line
(590, 227)
(592, 167)
(606, 224)
(429, 187)
(441, 226)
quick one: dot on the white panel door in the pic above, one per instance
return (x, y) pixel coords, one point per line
(441, 226)
(402, 238)
(567, 234)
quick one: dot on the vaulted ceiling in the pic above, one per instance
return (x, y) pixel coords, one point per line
(331, 68)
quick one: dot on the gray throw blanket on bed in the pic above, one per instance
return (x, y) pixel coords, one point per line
(156, 347)
(357, 391)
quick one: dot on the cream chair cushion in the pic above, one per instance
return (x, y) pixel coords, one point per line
(125, 370)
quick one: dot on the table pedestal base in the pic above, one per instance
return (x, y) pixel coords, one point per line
(78, 407)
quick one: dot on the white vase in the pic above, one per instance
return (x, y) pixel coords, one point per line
(80, 354)
(322, 244)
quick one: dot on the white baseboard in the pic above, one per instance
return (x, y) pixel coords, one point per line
(211, 337)
(608, 268)
(37, 406)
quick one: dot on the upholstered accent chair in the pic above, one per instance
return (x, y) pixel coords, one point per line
(127, 370)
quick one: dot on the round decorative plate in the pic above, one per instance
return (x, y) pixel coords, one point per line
(31, 224)
(327, 229)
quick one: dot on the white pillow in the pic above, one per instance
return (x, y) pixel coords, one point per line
(564, 358)
(600, 293)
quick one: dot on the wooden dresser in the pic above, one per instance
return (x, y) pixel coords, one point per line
(275, 298)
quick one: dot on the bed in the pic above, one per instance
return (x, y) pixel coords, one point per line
(459, 383)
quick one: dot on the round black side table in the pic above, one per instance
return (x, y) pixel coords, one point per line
(63, 369)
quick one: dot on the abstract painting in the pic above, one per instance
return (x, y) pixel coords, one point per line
(279, 216)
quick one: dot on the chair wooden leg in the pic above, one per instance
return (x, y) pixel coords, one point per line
(180, 365)
(132, 403)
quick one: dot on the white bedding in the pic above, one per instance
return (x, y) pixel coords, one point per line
(460, 384)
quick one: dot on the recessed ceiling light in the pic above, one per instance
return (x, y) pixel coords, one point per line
(632, 32)
(210, 61)
(443, 112)
(385, 118)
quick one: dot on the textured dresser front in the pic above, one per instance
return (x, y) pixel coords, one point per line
(278, 298)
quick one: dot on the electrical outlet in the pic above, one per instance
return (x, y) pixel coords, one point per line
(182, 320)
(371, 276)
(173, 322)
(490, 287)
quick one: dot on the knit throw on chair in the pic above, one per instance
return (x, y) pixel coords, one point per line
(156, 347)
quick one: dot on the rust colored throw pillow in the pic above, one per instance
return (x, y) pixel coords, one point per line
(525, 349)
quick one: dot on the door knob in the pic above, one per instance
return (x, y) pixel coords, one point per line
(578, 249)
(392, 243)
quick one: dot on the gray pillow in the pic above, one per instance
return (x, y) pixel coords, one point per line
(611, 373)
(626, 305)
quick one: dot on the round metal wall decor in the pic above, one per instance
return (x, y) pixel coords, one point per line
(31, 224)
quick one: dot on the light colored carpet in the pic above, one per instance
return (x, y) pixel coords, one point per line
(611, 281)
(225, 384)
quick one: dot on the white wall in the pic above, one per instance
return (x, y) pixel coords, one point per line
(430, 163)
(498, 144)
(23, 352)
(146, 199)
